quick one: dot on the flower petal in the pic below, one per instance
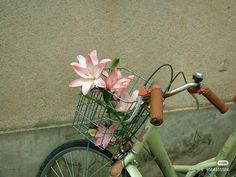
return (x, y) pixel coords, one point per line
(122, 106)
(82, 61)
(113, 78)
(76, 83)
(93, 57)
(105, 142)
(118, 73)
(99, 142)
(134, 95)
(125, 96)
(93, 132)
(98, 134)
(100, 83)
(121, 84)
(112, 128)
(82, 72)
(105, 60)
(101, 128)
(103, 135)
(113, 139)
(105, 73)
(87, 86)
(131, 77)
(133, 98)
(97, 70)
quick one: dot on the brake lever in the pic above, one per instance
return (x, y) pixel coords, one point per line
(196, 100)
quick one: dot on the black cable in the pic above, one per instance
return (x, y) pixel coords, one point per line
(171, 75)
(172, 79)
(183, 75)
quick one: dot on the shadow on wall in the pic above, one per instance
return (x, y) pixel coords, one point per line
(190, 145)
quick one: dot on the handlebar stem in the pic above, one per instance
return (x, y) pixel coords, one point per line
(180, 89)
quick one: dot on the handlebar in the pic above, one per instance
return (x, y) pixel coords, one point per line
(211, 96)
(215, 100)
(180, 89)
(156, 107)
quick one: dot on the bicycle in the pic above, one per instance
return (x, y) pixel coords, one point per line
(85, 158)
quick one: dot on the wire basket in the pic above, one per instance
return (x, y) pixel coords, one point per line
(100, 122)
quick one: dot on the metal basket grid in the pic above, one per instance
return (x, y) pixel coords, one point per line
(93, 112)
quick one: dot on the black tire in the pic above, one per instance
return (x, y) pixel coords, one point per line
(232, 169)
(79, 158)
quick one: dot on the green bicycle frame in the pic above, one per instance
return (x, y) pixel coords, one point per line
(157, 148)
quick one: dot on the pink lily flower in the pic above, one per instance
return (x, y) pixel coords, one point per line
(90, 70)
(103, 135)
(117, 83)
(125, 107)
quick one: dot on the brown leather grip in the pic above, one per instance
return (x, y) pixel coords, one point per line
(234, 99)
(116, 169)
(156, 106)
(215, 100)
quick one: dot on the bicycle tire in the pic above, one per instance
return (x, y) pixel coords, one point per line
(232, 169)
(79, 158)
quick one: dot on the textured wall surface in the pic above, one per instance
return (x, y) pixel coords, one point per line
(39, 39)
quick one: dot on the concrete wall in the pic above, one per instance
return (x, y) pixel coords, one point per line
(190, 136)
(39, 39)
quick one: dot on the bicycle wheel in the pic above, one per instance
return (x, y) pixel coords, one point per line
(232, 169)
(78, 158)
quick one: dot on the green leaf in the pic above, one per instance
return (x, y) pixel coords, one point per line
(114, 63)
(107, 96)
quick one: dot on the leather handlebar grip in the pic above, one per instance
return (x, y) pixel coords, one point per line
(156, 105)
(215, 100)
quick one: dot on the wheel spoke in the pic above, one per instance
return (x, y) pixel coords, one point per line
(85, 164)
(59, 168)
(55, 172)
(98, 170)
(76, 159)
(68, 168)
(87, 158)
(72, 166)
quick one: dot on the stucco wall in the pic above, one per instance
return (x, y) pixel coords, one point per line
(39, 39)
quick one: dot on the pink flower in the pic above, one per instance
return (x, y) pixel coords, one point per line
(115, 82)
(103, 135)
(123, 106)
(89, 69)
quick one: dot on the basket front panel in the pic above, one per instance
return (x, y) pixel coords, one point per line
(95, 118)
